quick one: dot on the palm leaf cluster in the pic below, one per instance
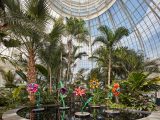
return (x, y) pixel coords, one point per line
(109, 39)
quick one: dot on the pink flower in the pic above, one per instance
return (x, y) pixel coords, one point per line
(79, 91)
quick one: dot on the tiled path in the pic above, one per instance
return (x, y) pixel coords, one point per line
(12, 115)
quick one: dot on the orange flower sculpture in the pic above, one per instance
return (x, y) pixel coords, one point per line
(94, 83)
(116, 89)
(79, 91)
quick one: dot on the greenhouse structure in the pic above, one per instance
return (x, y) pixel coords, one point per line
(80, 59)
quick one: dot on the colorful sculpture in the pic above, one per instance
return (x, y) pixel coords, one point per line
(94, 83)
(63, 93)
(81, 92)
(32, 87)
(116, 89)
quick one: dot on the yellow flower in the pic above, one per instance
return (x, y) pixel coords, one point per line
(94, 83)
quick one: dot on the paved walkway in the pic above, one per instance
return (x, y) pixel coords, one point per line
(12, 115)
(153, 116)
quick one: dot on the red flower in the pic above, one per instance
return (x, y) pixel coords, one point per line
(79, 91)
(116, 85)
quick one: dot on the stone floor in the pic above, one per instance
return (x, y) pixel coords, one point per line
(12, 115)
(153, 116)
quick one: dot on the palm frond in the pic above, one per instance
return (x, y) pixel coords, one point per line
(80, 55)
(22, 74)
(42, 70)
(100, 39)
(119, 33)
(107, 32)
(11, 43)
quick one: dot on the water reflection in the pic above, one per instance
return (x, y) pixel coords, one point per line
(98, 113)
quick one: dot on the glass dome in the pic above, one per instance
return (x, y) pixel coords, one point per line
(141, 17)
(85, 9)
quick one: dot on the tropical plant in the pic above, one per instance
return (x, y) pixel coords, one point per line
(109, 40)
(52, 52)
(27, 23)
(9, 78)
(135, 89)
(75, 30)
(74, 56)
(123, 61)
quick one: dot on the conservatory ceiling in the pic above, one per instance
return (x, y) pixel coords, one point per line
(85, 9)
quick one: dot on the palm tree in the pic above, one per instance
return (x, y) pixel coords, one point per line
(27, 24)
(75, 55)
(75, 30)
(109, 40)
(50, 54)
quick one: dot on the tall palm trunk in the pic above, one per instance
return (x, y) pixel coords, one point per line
(31, 72)
(50, 79)
(69, 59)
(109, 67)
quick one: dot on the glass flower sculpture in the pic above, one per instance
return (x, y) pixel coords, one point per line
(63, 90)
(116, 89)
(79, 91)
(63, 93)
(32, 87)
(94, 83)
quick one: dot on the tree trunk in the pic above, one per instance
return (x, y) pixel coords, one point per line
(117, 99)
(69, 59)
(50, 80)
(109, 67)
(31, 72)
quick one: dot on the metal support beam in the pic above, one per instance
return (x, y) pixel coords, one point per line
(132, 23)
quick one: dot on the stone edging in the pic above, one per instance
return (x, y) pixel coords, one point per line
(12, 115)
(153, 116)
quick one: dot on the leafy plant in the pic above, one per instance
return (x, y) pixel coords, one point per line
(134, 91)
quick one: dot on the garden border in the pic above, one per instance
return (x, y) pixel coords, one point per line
(12, 115)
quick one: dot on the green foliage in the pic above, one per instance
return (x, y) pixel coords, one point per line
(20, 94)
(134, 90)
(22, 74)
(11, 43)
(42, 70)
(47, 98)
(3, 101)
(99, 96)
(9, 78)
(76, 28)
